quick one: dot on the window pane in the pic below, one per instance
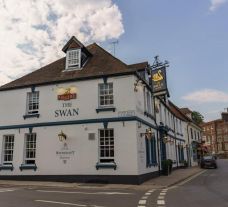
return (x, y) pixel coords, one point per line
(8, 147)
(106, 94)
(106, 145)
(30, 148)
(32, 102)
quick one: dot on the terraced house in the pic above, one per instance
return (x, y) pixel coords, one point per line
(87, 117)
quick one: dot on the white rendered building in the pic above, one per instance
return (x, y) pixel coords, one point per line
(87, 117)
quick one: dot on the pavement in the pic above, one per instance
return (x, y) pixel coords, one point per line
(176, 176)
(155, 183)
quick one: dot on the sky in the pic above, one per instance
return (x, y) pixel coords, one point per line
(191, 35)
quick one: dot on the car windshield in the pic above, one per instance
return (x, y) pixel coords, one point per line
(208, 157)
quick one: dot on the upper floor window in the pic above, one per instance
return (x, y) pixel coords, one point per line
(30, 148)
(106, 94)
(8, 146)
(73, 59)
(149, 106)
(33, 102)
(181, 127)
(191, 133)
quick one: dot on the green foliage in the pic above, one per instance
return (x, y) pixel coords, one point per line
(197, 117)
(167, 166)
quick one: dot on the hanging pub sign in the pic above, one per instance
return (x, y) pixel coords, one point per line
(66, 94)
(159, 83)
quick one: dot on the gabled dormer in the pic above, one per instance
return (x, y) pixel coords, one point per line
(76, 54)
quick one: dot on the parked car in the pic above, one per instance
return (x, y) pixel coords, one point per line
(208, 162)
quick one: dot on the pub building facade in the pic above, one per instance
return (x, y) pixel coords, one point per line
(87, 117)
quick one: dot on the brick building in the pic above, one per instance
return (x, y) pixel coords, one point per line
(215, 136)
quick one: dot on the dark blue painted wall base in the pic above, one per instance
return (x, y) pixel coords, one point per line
(104, 179)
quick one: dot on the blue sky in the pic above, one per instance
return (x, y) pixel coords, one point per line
(191, 35)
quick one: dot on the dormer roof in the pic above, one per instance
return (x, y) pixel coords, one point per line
(72, 43)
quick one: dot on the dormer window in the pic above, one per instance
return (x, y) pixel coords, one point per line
(73, 59)
(76, 55)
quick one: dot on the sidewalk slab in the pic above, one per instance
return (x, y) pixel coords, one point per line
(155, 183)
(175, 177)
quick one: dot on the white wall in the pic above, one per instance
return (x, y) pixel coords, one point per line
(86, 153)
(13, 102)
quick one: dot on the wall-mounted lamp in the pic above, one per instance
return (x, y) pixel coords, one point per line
(186, 146)
(62, 136)
(165, 139)
(148, 134)
(180, 145)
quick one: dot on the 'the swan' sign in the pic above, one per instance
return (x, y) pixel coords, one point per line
(158, 77)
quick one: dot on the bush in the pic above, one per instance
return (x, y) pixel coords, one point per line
(167, 166)
(184, 163)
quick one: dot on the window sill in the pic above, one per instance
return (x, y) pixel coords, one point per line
(28, 167)
(152, 164)
(31, 116)
(106, 109)
(6, 167)
(106, 165)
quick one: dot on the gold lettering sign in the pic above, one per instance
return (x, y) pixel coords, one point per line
(157, 76)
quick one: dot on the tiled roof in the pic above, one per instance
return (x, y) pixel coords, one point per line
(186, 110)
(101, 63)
(177, 112)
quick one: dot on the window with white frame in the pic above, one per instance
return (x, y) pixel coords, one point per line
(106, 94)
(151, 152)
(148, 98)
(33, 102)
(73, 59)
(8, 146)
(30, 148)
(106, 145)
(181, 127)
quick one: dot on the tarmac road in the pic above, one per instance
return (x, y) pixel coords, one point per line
(210, 189)
(206, 188)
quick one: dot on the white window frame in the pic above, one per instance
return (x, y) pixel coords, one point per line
(7, 147)
(105, 93)
(32, 103)
(148, 102)
(30, 146)
(107, 145)
(70, 64)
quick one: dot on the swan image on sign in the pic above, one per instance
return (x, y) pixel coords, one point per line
(158, 76)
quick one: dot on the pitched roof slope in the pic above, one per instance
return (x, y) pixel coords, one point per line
(176, 110)
(186, 110)
(100, 64)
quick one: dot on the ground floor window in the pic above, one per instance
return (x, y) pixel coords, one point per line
(8, 146)
(30, 148)
(106, 145)
(180, 153)
(151, 152)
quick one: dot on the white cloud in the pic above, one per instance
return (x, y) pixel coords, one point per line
(33, 32)
(216, 4)
(207, 96)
